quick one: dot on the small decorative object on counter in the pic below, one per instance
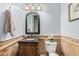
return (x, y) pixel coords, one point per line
(50, 38)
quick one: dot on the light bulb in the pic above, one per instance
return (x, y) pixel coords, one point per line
(39, 8)
(26, 8)
(32, 8)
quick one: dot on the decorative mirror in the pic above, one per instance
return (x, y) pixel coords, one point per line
(32, 23)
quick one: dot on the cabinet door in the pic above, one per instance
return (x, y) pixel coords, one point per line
(28, 49)
(30, 52)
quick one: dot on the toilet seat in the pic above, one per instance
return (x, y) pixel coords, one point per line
(53, 54)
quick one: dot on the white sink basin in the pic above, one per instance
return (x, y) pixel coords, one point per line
(31, 39)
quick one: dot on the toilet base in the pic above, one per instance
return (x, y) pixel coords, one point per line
(53, 54)
(50, 54)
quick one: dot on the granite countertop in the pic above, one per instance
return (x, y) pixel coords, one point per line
(27, 40)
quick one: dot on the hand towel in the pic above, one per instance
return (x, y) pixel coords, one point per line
(8, 24)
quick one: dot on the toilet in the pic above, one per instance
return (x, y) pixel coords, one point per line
(51, 48)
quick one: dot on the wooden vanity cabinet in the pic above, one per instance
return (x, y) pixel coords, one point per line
(27, 48)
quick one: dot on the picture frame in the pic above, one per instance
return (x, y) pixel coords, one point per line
(73, 9)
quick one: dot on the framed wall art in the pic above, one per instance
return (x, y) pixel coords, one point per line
(73, 9)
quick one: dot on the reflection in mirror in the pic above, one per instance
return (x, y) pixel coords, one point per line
(32, 23)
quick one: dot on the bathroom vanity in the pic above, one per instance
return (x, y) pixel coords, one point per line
(28, 47)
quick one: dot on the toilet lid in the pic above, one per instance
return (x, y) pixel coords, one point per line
(53, 54)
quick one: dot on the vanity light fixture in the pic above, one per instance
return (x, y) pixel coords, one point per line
(26, 7)
(33, 7)
(39, 7)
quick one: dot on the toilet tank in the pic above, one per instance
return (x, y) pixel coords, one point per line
(50, 46)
